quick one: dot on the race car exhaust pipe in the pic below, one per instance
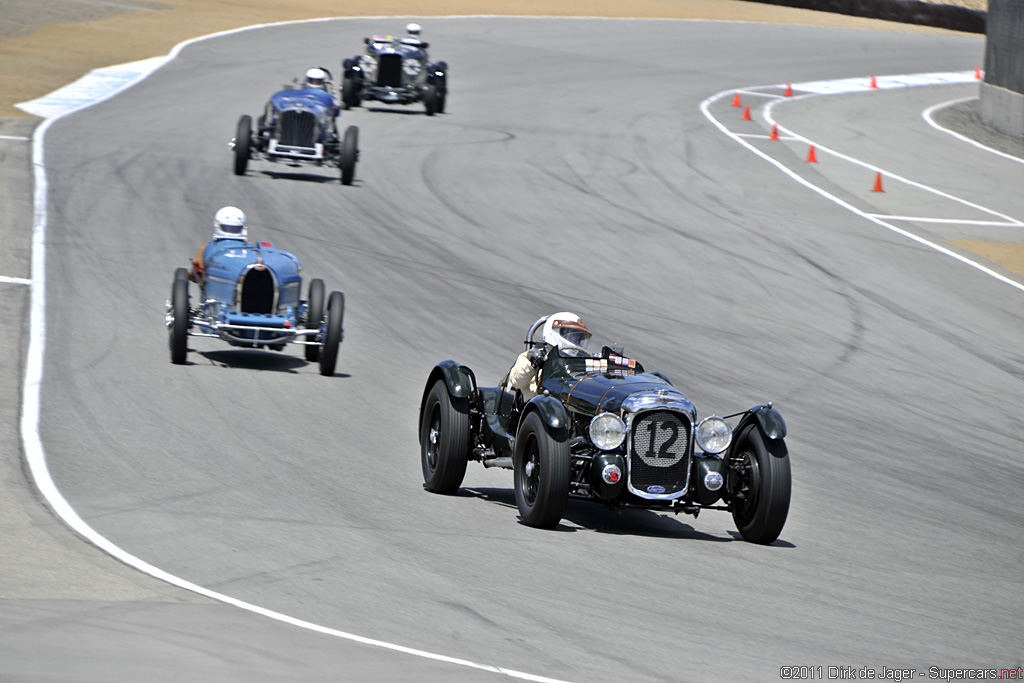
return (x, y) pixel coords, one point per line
(504, 463)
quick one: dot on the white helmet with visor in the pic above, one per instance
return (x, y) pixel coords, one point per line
(229, 223)
(567, 333)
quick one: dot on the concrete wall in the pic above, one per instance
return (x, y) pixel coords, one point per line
(1002, 93)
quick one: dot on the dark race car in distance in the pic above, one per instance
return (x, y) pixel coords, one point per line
(395, 71)
(603, 429)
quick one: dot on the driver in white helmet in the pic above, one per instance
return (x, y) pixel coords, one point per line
(562, 331)
(228, 224)
(318, 79)
(414, 36)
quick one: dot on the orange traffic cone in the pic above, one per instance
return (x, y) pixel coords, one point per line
(736, 100)
(775, 132)
(977, 73)
(811, 156)
(874, 83)
(789, 90)
(746, 113)
(878, 183)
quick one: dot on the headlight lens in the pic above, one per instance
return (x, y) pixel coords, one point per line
(714, 434)
(412, 67)
(607, 431)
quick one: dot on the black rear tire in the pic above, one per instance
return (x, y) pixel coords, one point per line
(444, 440)
(759, 483)
(349, 92)
(243, 139)
(178, 332)
(333, 333)
(430, 99)
(541, 467)
(349, 155)
(314, 315)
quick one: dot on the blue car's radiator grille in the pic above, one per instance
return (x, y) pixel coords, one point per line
(257, 292)
(389, 71)
(659, 461)
(297, 129)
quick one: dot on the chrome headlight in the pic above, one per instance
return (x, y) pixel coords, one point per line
(714, 434)
(607, 431)
(368, 62)
(411, 67)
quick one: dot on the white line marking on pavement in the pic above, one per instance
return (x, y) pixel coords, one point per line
(951, 221)
(20, 138)
(705, 108)
(35, 454)
(839, 155)
(927, 116)
(14, 280)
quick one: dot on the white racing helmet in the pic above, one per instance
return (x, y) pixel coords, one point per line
(413, 29)
(566, 332)
(229, 223)
(316, 78)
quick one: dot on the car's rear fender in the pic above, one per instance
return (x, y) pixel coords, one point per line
(458, 379)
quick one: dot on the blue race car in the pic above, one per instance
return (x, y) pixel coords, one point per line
(299, 127)
(249, 294)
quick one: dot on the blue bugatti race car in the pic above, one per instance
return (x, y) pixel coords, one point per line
(299, 127)
(249, 297)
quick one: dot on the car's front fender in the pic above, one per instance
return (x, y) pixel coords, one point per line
(552, 413)
(768, 419)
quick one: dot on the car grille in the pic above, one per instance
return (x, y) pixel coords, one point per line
(389, 71)
(659, 461)
(297, 129)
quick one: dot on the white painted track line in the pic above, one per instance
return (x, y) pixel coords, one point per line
(59, 106)
(858, 85)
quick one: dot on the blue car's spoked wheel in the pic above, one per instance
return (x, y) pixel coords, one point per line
(332, 333)
(314, 315)
(444, 439)
(541, 466)
(349, 155)
(243, 138)
(178, 330)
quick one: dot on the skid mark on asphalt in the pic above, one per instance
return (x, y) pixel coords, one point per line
(844, 171)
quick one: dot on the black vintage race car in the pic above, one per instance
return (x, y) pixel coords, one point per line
(603, 429)
(395, 71)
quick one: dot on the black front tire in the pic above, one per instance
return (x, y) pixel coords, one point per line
(314, 315)
(243, 139)
(333, 333)
(759, 482)
(444, 440)
(178, 332)
(430, 99)
(541, 467)
(442, 96)
(349, 155)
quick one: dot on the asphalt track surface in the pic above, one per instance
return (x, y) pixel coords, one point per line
(575, 171)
